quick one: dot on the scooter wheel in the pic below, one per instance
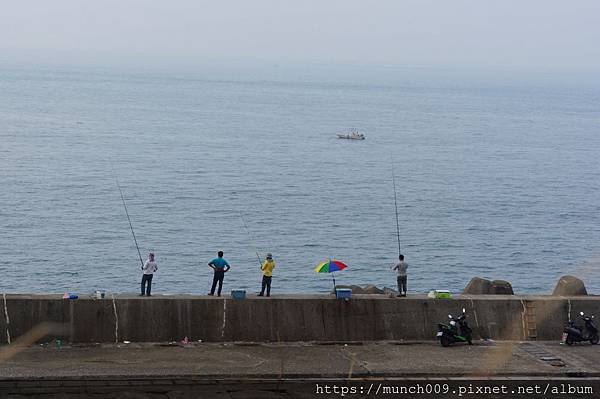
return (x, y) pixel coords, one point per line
(594, 340)
(445, 341)
(569, 340)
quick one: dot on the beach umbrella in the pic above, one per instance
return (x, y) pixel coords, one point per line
(330, 266)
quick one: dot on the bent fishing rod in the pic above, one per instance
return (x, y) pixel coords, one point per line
(396, 206)
(250, 237)
(128, 218)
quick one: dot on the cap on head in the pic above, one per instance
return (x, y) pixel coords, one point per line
(269, 256)
(220, 254)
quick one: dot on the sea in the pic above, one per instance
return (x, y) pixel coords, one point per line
(497, 175)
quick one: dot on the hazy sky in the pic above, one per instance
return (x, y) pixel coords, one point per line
(549, 34)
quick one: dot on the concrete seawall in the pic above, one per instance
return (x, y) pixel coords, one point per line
(286, 318)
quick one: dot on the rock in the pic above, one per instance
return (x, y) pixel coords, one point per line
(501, 287)
(356, 289)
(569, 286)
(478, 286)
(389, 291)
(371, 289)
(482, 286)
(367, 289)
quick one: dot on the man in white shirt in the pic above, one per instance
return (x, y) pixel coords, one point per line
(149, 268)
(401, 267)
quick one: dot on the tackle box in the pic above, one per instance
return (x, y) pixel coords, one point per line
(343, 293)
(439, 294)
(238, 294)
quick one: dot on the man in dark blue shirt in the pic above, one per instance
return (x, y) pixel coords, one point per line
(220, 267)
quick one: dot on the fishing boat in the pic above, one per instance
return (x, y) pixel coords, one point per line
(352, 134)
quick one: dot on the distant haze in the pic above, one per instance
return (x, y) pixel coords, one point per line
(544, 34)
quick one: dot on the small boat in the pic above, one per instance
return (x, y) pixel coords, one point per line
(352, 134)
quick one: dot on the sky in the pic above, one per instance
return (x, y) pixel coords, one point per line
(543, 34)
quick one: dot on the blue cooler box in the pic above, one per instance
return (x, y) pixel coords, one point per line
(343, 293)
(238, 294)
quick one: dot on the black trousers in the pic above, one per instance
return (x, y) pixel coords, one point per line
(218, 277)
(402, 284)
(266, 283)
(147, 278)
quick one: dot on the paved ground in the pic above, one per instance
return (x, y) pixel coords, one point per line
(303, 360)
(129, 371)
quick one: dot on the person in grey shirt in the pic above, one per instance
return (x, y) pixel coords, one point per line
(401, 267)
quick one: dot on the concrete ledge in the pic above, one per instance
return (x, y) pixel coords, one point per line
(287, 318)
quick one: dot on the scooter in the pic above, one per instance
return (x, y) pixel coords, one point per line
(457, 330)
(588, 332)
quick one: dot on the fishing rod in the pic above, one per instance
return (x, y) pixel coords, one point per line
(396, 206)
(128, 218)
(250, 236)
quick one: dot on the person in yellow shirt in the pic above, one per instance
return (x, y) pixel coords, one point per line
(267, 269)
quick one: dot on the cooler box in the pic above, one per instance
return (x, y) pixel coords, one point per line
(238, 294)
(439, 294)
(343, 293)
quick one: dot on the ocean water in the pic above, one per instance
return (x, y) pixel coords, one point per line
(497, 178)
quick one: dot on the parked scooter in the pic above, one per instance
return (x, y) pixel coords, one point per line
(588, 332)
(457, 330)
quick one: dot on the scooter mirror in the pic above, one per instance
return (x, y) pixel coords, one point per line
(464, 310)
(581, 313)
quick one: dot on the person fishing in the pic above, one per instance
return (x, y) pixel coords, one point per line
(220, 266)
(401, 268)
(267, 270)
(150, 267)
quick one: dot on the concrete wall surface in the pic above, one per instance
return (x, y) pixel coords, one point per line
(284, 318)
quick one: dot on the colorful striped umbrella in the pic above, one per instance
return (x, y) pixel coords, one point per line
(330, 266)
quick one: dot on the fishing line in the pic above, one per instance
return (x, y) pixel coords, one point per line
(127, 213)
(396, 205)
(250, 237)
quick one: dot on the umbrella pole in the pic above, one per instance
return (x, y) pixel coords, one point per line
(333, 275)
